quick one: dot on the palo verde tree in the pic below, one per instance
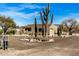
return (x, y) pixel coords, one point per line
(70, 23)
(6, 23)
(45, 20)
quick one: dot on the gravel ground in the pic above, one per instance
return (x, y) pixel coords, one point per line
(61, 47)
(56, 51)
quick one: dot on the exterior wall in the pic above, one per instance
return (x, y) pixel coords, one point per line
(55, 28)
(20, 31)
(52, 30)
(17, 31)
(33, 30)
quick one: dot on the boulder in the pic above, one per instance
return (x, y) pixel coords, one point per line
(51, 40)
(25, 39)
(31, 40)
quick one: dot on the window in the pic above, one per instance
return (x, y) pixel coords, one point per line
(40, 29)
(29, 29)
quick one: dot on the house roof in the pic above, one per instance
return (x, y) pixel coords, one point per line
(33, 25)
(57, 25)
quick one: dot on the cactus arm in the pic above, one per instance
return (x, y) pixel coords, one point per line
(48, 9)
(51, 19)
(44, 12)
(42, 18)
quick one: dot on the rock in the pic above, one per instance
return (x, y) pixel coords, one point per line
(32, 40)
(25, 39)
(35, 40)
(51, 40)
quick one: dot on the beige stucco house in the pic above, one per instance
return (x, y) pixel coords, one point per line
(30, 29)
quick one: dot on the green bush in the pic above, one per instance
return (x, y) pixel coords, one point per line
(12, 31)
(1, 31)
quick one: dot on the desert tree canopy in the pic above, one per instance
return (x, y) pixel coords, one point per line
(6, 22)
(70, 23)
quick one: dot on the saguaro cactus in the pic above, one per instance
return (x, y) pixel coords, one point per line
(45, 19)
(35, 28)
(43, 24)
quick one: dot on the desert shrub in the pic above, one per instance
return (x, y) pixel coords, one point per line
(1, 31)
(12, 31)
(59, 31)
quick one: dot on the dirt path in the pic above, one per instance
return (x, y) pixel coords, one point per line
(56, 51)
(63, 47)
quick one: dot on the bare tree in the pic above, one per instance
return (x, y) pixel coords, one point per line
(70, 23)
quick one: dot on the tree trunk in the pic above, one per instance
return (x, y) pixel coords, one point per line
(48, 31)
(42, 30)
(70, 32)
(45, 30)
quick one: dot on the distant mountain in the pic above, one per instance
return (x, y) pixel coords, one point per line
(56, 24)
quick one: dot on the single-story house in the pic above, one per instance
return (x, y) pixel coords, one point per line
(30, 29)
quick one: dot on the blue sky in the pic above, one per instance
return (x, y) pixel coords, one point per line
(24, 13)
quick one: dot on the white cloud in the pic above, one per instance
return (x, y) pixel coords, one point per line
(14, 12)
(71, 15)
(19, 18)
(18, 14)
(30, 6)
(21, 7)
(58, 19)
(14, 8)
